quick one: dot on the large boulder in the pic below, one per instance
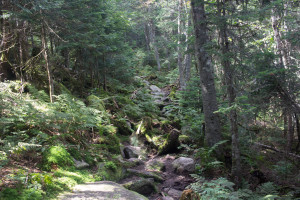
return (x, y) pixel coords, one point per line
(124, 126)
(146, 174)
(129, 152)
(102, 191)
(80, 164)
(183, 164)
(171, 143)
(141, 186)
(154, 88)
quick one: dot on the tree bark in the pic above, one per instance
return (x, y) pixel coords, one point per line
(153, 43)
(47, 65)
(290, 138)
(188, 55)
(210, 105)
(229, 80)
(180, 25)
(298, 130)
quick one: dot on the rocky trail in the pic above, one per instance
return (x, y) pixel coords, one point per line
(156, 176)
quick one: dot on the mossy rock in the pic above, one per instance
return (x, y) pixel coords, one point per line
(123, 126)
(171, 143)
(96, 102)
(63, 89)
(142, 186)
(155, 165)
(110, 171)
(110, 143)
(185, 139)
(56, 156)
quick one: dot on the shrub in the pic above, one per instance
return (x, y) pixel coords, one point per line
(56, 156)
(111, 166)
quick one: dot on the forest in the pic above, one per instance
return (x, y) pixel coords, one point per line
(149, 99)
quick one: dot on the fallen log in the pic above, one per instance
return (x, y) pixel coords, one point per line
(276, 150)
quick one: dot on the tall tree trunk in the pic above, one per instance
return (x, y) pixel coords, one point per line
(210, 105)
(147, 37)
(275, 18)
(290, 138)
(153, 43)
(47, 65)
(229, 80)
(298, 130)
(180, 51)
(6, 70)
(188, 55)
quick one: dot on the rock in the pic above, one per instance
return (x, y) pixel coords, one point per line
(146, 174)
(154, 88)
(141, 186)
(101, 191)
(131, 152)
(80, 164)
(155, 165)
(167, 198)
(184, 164)
(136, 161)
(175, 193)
(171, 143)
(124, 126)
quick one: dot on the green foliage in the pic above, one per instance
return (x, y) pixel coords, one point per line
(56, 156)
(3, 159)
(208, 161)
(283, 169)
(221, 188)
(111, 166)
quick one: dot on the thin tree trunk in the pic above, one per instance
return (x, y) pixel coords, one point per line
(153, 44)
(147, 37)
(210, 105)
(180, 25)
(275, 18)
(298, 130)
(229, 80)
(290, 138)
(47, 65)
(188, 55)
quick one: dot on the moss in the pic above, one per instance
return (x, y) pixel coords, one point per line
(111, 143)
(122, 125)
(110, 171)
(96, 102)
(63, 89)
(56, 156)
(185, 139)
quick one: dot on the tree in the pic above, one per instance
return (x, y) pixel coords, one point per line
(229, 74)
(210, 105)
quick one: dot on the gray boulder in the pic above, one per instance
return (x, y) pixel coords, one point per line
(154, 88)
(146, 174)
(155, 165)
(184, 164)
(80, 164)
(131, 152)
(141, 186)
(170, 144)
